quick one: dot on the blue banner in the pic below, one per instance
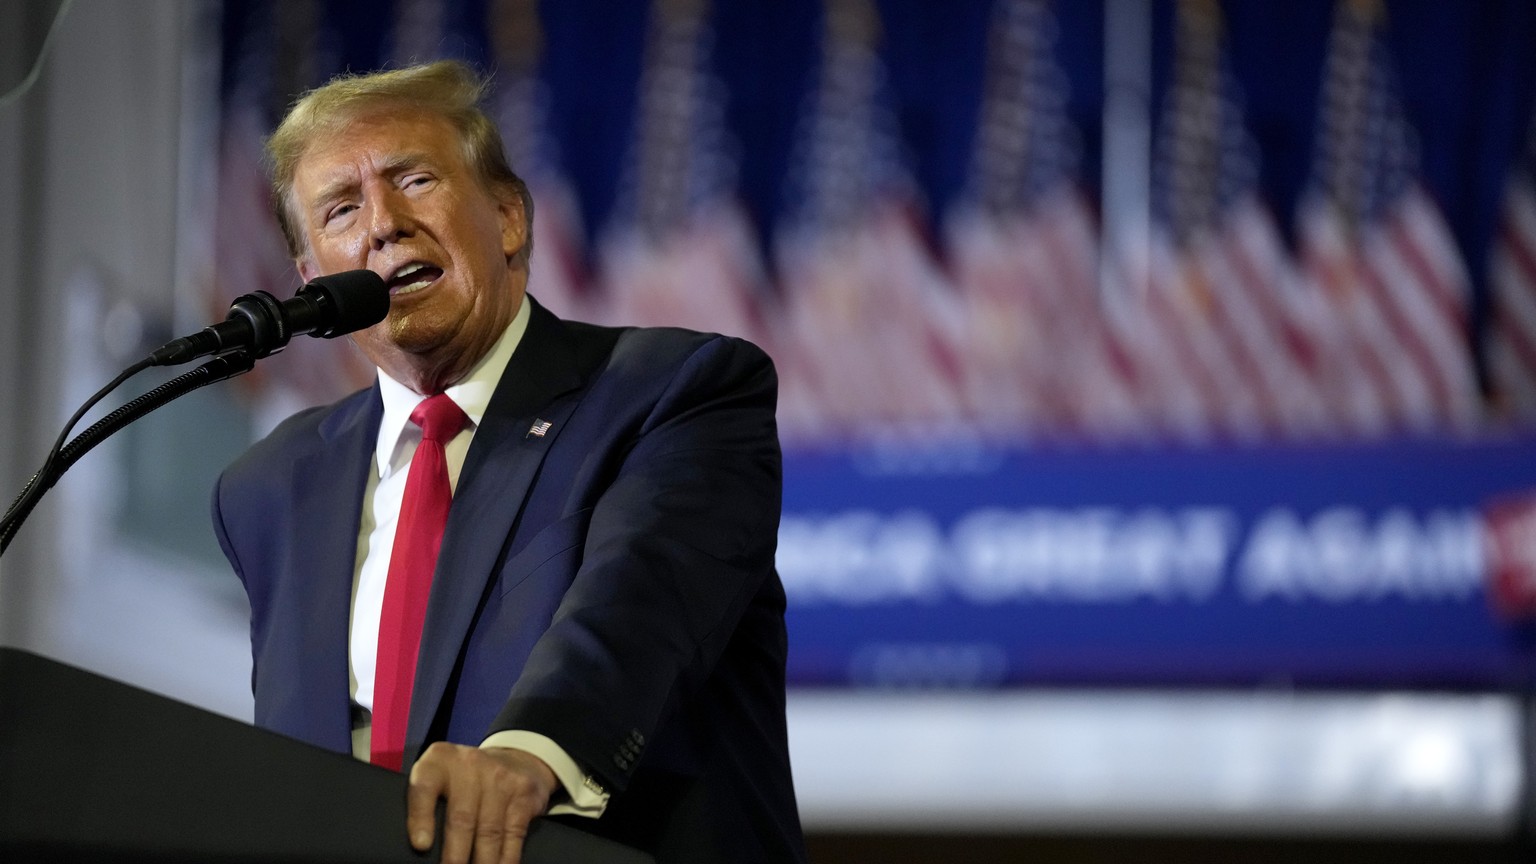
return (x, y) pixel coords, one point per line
(963, 565)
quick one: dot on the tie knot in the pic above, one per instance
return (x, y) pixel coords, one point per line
(439, 418)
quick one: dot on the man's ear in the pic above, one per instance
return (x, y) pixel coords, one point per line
(307, 269)
(514, 225)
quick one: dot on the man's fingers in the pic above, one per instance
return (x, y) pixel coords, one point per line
(427, 785)
(493, 822)
(492, 795)
(511, 796)
(463, 815)
(512, 847)
(440, 773)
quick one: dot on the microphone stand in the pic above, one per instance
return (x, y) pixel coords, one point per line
(258, 325)
(219, 369)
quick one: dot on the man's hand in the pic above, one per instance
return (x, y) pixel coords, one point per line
(492, 795)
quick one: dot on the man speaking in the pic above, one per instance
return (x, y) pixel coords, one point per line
(533, 565)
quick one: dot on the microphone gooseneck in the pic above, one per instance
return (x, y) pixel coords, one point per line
(258, 326)
(261, 325)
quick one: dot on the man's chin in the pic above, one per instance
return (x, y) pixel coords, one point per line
(415, 331)
(408, 345)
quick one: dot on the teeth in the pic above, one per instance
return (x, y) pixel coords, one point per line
(407, 270)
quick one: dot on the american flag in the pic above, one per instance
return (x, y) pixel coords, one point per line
(865, 305)
(1512, 341)
(558, 274)
(1224, 346)
(1377, 251)
(1037, 361)
(681, 252)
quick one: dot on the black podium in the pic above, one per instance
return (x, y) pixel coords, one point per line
(95, 770)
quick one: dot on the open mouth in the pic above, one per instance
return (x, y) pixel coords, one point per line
(413, 277)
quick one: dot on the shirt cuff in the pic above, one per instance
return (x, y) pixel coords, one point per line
(584, 795)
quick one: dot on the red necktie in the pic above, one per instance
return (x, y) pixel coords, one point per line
(418, 536)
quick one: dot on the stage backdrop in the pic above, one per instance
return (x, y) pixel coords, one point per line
(1119, 343)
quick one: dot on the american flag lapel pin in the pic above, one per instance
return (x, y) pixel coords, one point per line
(538, 428)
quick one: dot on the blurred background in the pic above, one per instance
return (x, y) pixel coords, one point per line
(1158, 377)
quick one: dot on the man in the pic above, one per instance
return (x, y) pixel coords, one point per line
(601, 634)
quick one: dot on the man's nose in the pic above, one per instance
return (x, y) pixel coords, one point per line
(390, 220)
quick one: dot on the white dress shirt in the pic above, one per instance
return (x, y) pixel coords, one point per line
(382, 497)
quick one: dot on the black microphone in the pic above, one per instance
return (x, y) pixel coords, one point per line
(258, 323)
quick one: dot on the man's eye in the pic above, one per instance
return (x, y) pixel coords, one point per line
(339, 211)
(416, 180)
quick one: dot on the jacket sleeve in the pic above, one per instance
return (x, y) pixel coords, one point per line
(679, 545)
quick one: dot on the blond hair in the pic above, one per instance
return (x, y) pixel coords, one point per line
(446, 88)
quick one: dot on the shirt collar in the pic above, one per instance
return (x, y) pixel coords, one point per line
(472, 394)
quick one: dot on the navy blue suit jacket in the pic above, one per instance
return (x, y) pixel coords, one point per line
(609, 584)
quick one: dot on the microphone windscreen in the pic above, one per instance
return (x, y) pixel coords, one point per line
(355, 299)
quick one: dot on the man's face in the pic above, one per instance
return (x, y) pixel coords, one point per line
(391, 192)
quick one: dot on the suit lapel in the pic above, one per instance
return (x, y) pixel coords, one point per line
(328, 486)
(498, 471)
